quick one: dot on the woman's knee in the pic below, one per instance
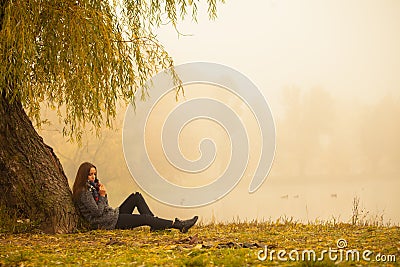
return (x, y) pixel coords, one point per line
(133, 195)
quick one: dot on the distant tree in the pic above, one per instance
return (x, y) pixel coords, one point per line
(80, 57)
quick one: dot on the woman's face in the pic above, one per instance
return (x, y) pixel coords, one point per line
(92, 174)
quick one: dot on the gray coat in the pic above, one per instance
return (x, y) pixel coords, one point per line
(99, 215)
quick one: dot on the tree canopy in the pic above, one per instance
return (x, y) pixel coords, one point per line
(81, 56)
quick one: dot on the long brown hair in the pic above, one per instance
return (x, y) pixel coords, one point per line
(81, 179)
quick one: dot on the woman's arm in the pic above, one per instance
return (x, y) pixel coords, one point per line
(89, 205)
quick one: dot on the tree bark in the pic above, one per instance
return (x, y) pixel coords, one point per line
(32, 181)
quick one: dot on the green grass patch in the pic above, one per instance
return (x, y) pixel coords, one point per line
(235, 244)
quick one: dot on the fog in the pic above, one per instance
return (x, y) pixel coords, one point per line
(328, 152)
(330, 71)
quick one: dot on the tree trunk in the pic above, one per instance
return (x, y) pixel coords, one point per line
(32, 181)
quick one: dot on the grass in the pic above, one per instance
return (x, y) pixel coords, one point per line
(234, 244)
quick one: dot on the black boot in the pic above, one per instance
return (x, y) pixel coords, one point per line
(185, 225)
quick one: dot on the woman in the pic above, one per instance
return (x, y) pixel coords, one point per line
(90, 196)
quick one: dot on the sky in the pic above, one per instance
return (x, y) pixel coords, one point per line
(348, 47)
(330, 71)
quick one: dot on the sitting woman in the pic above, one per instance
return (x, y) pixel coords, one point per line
(90, 197)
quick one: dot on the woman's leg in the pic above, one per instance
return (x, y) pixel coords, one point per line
(129, 221)
(135, 200)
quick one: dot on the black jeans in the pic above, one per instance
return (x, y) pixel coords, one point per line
(127, 220)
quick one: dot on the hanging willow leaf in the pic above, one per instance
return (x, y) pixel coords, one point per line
(82, 56)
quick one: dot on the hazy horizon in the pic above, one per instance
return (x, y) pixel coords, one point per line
(330, 72)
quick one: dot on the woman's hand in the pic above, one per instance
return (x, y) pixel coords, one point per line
(102, 190)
